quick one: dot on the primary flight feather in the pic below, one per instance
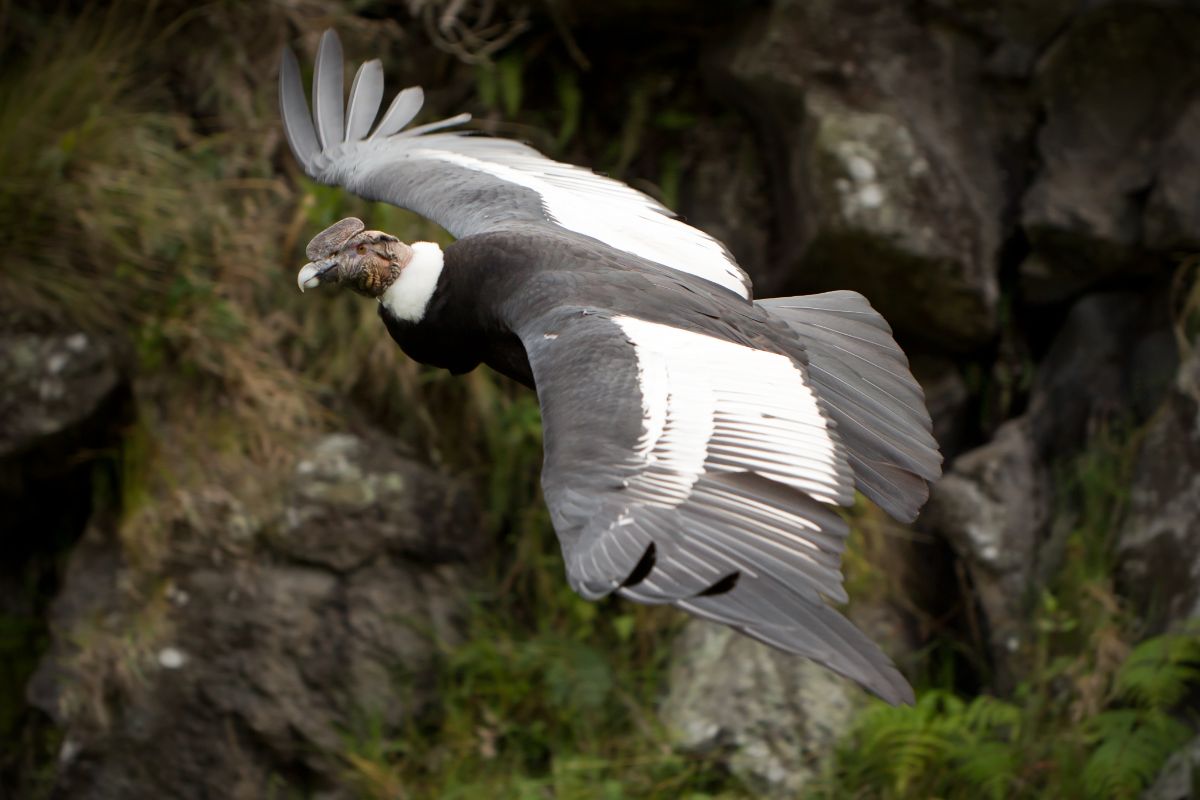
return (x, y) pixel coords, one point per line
(697, 442)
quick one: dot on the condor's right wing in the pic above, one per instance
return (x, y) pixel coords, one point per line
(473, 184)
(685, 469)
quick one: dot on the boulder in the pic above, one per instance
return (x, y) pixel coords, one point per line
(1015, 31)
(1159, 544)
(993, 507)
(948, 400)
(344, 483)
(61, 398)
(1110, 363)
(774, 716)
(883, 178)
(1172, 218)
(53, 389)
(247, 666)
(1178, 778)
(1115, 87)
(726, 194)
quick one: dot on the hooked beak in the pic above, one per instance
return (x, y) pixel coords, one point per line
(313, 273)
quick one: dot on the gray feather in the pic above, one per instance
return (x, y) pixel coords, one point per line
(774, 615)
(463, 201)
(365, 95)
(404, 107)
(393, 164)
(863, 377)
(297, 123)
(327, 90)
(772, 552)
(448, 122)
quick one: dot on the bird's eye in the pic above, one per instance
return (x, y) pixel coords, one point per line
(361, 249)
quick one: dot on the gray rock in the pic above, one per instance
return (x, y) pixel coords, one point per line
(884, 179)
(50, 387)
(947, 398)
(776, 717)
(61, 401)
(726, 194)
(345, 484)
(1016, 30)
(1113, 87)
(1179, 779)
(1172, 219)
(1159, 543)
(1111, 363)
(993, 508)
(254, 661)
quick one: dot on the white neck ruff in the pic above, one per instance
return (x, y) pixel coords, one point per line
(408, 296)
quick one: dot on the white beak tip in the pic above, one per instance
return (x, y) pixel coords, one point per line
(308, 277)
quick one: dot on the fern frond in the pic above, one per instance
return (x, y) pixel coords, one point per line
(986, 715)
(1160, 671)
(1131, 746)
(990, 767)
(942, 738)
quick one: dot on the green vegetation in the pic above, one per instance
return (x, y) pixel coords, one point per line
(949, 747)
(552, 696)
(1090, 719)
(174, 238)
(547, 692)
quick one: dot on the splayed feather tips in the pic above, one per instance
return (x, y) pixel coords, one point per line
(309, 143)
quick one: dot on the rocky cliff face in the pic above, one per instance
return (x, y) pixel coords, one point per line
(254, 655)
(1015, 185)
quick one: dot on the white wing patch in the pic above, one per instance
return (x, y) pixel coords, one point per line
(709, 405)
(603, 208)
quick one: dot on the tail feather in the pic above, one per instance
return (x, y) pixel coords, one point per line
(879, 408)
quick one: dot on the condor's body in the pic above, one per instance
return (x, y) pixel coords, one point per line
(697, 442)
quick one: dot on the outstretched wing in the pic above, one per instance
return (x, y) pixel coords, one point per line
(877, 404)
(682, 468)
(472, 184)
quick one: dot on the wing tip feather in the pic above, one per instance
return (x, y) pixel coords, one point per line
(297, 121)
(328, 111)
(365, 94)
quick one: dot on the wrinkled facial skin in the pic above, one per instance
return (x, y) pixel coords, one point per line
(370, 262)
(344, 254)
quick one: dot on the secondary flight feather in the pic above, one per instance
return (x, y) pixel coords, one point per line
(697, 443)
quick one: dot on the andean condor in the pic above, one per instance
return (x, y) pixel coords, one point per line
(697, 442)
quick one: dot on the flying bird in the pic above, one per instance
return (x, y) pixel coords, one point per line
(697, 442)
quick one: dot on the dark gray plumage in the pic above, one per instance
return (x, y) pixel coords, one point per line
(878, 406)
(697, 443)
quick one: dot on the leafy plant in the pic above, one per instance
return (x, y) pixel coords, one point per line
(941, 741)
(1160, 671)
(1129, 746)
(1093, 718)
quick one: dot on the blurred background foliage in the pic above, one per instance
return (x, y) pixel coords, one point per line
(149, 202)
